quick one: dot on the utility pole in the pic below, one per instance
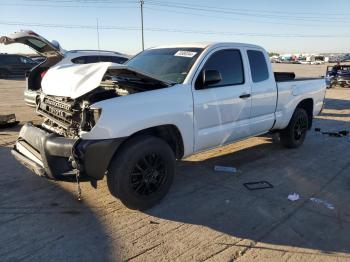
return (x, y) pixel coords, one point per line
(143, 40)
(98, 34)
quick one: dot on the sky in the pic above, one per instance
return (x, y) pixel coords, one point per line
(308, 26)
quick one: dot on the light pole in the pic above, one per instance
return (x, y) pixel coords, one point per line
(143, 40)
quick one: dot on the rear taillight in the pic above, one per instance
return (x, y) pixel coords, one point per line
(43, 74)
(32, 33)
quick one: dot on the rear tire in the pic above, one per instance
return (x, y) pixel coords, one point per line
(141, 173)
(294, 134)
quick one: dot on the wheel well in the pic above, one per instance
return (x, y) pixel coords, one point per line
(169, 133)
(308, 106)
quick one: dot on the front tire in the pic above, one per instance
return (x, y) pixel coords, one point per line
(141, 173)
(294, 134)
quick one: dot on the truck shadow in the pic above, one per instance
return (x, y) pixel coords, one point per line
(337, 104)
(42, 221)
(219, 201)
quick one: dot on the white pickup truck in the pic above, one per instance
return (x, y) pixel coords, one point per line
(132, 122)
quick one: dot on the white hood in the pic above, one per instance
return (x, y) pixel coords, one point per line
(74, 80)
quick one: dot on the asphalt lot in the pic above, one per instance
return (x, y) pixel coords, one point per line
(207, 215)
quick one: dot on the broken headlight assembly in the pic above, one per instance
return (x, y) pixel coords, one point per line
(89, 118)
(95, 114)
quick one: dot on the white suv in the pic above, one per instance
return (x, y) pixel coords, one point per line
(55, 56)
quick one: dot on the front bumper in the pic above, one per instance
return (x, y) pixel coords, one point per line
(31, 97)
(345, 81)
(48, 154)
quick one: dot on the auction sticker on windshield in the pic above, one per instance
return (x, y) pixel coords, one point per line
(184, 53)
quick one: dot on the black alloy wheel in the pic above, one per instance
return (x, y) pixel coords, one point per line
(148, 175)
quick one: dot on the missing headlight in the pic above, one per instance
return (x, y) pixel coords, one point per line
(89, 118)
(95, 113)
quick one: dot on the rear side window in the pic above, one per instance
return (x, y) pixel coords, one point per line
(114, 59)
(79, 60)
(25, 60)
(86, 59)
(92, 59)
(96, 59)
(258, 66)
(229, 64)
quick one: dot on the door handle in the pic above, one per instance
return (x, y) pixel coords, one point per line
(244, 96)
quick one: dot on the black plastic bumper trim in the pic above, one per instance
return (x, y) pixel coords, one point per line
(31, 165)
(93, 156)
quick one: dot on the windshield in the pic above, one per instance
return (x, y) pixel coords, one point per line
(167, 64)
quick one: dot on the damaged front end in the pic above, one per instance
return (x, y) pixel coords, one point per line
(55, 148)
(54, 156)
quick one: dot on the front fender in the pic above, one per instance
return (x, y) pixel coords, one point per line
(126, 115)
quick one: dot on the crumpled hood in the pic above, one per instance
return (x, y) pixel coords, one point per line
(75, 80)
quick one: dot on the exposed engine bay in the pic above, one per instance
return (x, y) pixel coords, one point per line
(68, 117)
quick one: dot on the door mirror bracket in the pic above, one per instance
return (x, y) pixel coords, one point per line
(210, 77)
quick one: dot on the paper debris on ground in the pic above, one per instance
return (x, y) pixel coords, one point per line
(293, 197)
(323, 202)
(340, 133)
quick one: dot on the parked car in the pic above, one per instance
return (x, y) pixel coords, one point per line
(343, 76)
(55, 57)
(338, 75)
(15, 65)
(130, 122)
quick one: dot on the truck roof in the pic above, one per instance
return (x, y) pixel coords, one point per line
(207, 45)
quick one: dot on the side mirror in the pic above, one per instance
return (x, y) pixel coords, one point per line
(211, 77)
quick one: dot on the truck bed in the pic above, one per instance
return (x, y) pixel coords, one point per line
(290, 76)
(290, 92)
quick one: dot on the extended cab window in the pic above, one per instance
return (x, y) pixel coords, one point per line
(230, 66)
(258, 66)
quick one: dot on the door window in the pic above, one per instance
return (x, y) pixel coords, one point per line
(258, 66)
(229, 64)
(25, 60)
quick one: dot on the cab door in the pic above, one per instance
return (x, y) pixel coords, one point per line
(263, 92)
(222, 109)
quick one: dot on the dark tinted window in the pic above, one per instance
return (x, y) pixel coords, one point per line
(79, 60)
(168, 64)
(229, 64)
(10, 59)
(96, 59)
(114, 59)
(258, 66)
(92, 59)
(26, 60)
